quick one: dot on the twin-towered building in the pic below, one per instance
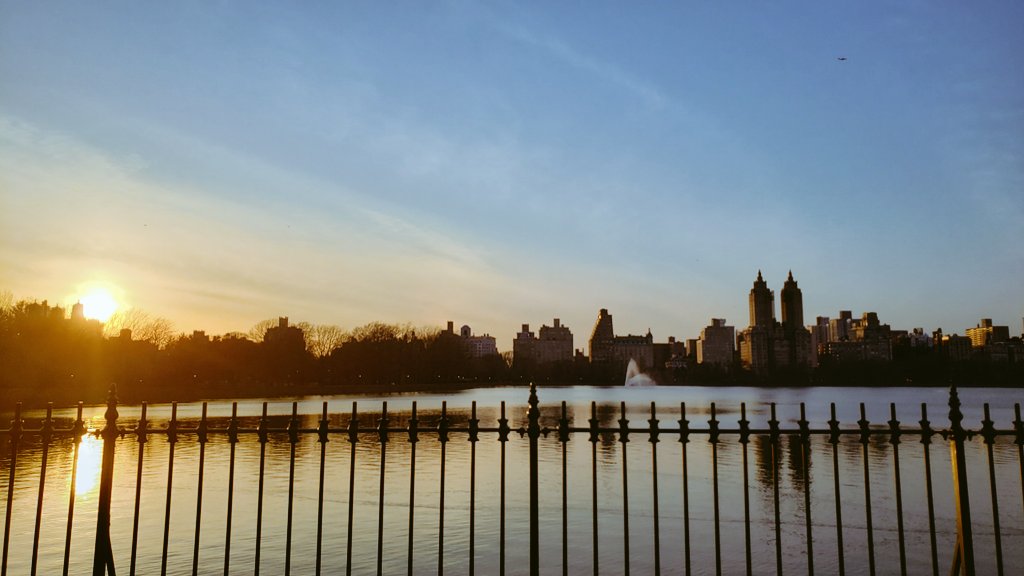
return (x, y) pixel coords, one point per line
(768, 344)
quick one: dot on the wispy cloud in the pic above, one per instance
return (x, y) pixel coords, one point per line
(605, 71)
(217, 262)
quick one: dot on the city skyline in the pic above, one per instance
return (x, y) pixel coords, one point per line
(762, 311)
(500, 164)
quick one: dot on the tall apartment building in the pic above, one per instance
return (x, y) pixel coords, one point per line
(985, 333)
(602, 338)
(766, 344)
(862, 339)
(551, 344)
(762, 304)
(634, 347)
(839, 328)
(611, 350)
(281, 335)
(716, 343)
(792, 304)
(952, 346)
(822, 328)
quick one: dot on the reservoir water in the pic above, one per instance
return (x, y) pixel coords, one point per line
(637, 462)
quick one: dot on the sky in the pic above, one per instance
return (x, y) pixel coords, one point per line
(501, 163)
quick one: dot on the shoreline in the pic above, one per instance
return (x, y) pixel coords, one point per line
(31, 400)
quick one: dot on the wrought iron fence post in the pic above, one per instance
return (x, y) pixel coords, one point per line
(533, 430)
(103, 555)
(963, 556)
(15, 432)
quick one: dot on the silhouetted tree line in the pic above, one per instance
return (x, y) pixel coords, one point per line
(46, 356)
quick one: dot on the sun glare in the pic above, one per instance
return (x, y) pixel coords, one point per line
(98, 304)
(90, 457)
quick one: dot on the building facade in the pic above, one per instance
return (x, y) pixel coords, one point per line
(766, 344)
(985, 333)
(475, 346)
(602, 338)
(552, 344)
(716, 344)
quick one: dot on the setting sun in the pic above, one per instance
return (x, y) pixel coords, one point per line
(99, 304)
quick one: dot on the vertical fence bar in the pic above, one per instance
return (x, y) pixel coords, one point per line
(744, 441)
(141, 432)
(713, 440)
(442, 436)
(988, 433)
(262, 433)
(503, 432)
(293, 439)
(805, 462)
(773, 437)
(103, 554)
(595, 437)
(963, 556)
(684, 439)
(926, 440)
(563, 438)
(77, 431)
(353, 438)
(414, 424)
(833, 439)
(653, 439)
(1018, 439)
(533, 431)
(201, 434)
(894, 439)
(172, 439)
(382, 437)
(474, 432)
(624, 438)
(46, 434)
(15, 435)
(322, 432)
(233, 441)
(963, 560)
(865, 440)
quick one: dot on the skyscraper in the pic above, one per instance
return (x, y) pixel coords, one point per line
(602, 339)
(766, 345)
(762, 303)
(792, 304)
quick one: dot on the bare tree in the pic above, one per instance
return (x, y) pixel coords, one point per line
(6, 301)
(376, 332)
(322, 339)
(143, 326)
(259, 329)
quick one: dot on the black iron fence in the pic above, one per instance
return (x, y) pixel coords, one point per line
(561, 430)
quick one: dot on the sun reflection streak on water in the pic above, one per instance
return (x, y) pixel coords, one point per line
(90, 456)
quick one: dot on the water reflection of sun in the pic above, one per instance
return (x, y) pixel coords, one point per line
(90, 456)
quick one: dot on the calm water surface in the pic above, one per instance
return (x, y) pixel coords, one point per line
(611, 462)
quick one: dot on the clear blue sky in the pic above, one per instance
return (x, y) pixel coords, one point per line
(493, 163)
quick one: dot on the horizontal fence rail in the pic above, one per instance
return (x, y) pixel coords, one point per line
(539, 429)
